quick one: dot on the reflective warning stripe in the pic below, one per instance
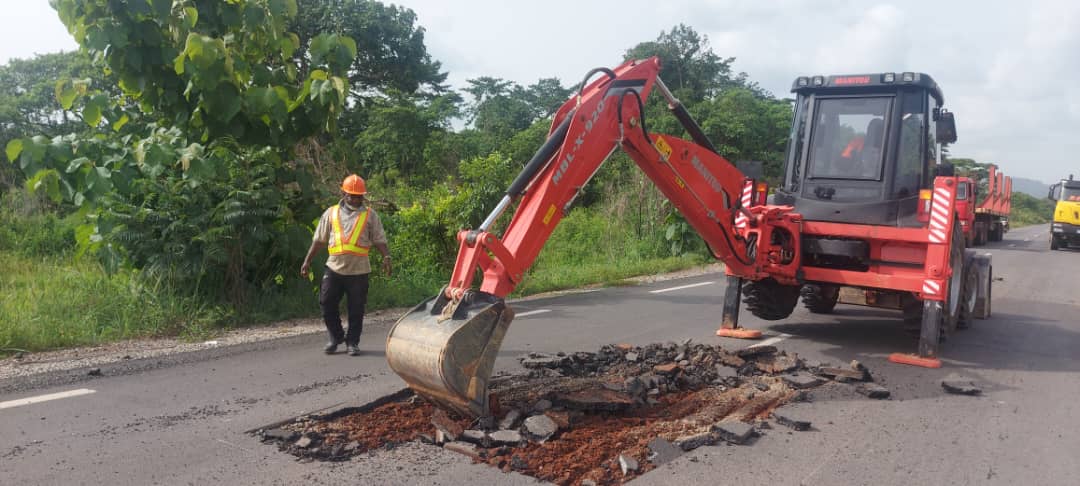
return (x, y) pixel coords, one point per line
(348, 246)
(940, 212)
(931, 287)
(747, 198)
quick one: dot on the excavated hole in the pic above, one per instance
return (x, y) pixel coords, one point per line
(605, 404)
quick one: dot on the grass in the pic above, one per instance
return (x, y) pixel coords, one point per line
(48, 303)
(589, 247)
(605, 273)
(53, 303)
(50, 299)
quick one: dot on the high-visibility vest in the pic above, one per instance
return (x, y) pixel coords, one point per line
(347, 246)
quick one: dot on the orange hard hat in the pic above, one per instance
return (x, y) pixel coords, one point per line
(354, 185)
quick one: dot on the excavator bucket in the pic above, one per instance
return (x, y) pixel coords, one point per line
(445, 350)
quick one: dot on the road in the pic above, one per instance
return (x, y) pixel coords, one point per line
(185, 422)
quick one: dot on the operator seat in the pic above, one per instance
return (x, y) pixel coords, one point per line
(870, 158)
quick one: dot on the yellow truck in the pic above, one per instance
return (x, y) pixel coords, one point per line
(1065, 228)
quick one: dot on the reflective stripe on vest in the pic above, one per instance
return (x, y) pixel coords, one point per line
(349, 247)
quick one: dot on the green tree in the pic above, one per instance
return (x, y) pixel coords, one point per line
(745, 126)
(198, 146)
(400, 134)
(689, 65)
(502, 108)
(28, 101)
(391, 53)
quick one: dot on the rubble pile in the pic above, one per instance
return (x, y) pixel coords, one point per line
(600, 417)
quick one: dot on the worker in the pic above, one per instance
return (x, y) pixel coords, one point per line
(348, 229)
(861, 158)
(854, 147)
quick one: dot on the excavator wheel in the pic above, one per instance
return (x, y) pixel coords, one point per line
(769, 300)
(820, 298)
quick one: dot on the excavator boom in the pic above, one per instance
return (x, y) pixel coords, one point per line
(445, 348)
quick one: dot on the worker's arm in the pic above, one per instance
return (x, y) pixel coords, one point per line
(387, 267)
(316, 246)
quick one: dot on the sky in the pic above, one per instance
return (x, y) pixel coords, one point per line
(1008, 69)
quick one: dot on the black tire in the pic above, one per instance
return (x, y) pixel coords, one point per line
(769, 300)
(820, 298)
(1054, 244)
(968, 297)
(996, 234)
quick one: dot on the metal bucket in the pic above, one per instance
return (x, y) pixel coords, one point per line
(445, 350)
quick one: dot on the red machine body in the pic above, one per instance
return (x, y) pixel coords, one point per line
(760, 244)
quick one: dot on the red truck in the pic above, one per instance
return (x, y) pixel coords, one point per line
(989, 220)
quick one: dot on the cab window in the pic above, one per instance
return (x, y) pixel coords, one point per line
(848, 138)
(962, 191)
(910, 160)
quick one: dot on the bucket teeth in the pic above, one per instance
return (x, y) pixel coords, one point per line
(446, 350)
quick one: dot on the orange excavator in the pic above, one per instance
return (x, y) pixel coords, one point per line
(878, 220)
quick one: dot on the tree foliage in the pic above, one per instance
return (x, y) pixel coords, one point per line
(186, 170)
(391, 53)
(501, 108)
(28, 99)
(690, 66)
(216, 69)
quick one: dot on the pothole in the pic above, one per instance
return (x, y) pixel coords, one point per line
(587, 418)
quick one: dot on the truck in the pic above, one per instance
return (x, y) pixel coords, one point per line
(867, 204)
(986, 220)
(1065, 227)
(992, 215)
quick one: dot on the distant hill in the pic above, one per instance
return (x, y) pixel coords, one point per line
(1030, 186)
(970, 167)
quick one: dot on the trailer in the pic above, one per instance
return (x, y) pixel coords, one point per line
(989, 221)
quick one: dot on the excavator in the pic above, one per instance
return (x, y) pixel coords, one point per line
(867, 205)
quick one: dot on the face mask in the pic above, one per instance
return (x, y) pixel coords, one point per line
(351, 207)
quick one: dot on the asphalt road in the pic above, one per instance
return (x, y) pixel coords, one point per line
(184, 421)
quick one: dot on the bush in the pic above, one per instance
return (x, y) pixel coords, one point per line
(29, 229)
(48, 303)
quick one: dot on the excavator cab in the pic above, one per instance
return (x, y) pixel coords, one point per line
(863, 146)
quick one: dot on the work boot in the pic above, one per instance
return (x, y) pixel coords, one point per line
(354, 350)
(331, 347)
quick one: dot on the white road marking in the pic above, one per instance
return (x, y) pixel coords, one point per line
(44, 398)
(531, 313)
(680, 287)
(770, 341)
(1012, 245)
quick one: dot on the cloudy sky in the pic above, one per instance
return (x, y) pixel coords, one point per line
(1005, 67)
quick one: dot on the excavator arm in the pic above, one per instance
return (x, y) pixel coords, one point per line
(445, 348)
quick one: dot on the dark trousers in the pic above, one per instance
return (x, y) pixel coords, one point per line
(334, 286)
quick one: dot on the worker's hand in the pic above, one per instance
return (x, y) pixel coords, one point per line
(387, 267)
(305, 269)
